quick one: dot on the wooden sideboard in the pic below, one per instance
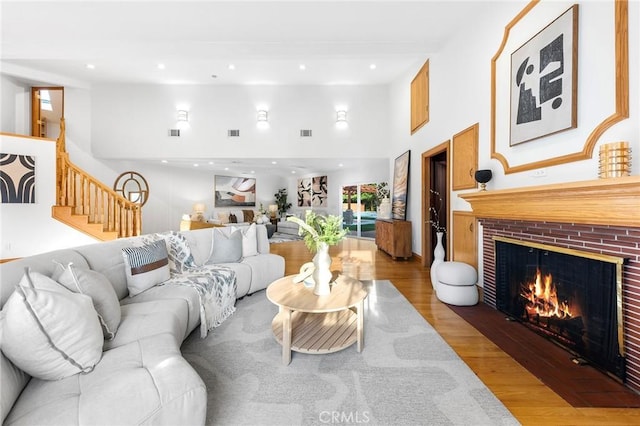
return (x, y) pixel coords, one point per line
(394, 237)
(187, 225)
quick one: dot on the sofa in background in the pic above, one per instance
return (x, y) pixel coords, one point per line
(117, 353)
(234, 216)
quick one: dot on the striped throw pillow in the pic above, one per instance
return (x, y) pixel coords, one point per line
(146, 266)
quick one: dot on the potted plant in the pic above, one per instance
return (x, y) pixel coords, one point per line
(281, 201)
(320, 232)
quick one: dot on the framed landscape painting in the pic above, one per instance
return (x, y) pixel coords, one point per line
(400, 186)
(544, 76)
(235, 191)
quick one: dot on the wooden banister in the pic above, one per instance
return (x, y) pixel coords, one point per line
(88, 196)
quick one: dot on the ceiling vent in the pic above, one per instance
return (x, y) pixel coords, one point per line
(233, 133)
(305, 133)
(174, 132)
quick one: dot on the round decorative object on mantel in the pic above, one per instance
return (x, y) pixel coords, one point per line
(438, 258)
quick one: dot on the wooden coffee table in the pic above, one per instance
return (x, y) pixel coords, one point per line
(317, 324)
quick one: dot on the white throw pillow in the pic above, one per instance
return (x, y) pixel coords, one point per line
(223, 217)
(225, 248)
(97, 286)
(249, 240)
(49, 332)
(146, 266)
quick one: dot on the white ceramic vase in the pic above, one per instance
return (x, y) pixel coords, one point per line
(322, 272)
(385, 209)
(438, 258)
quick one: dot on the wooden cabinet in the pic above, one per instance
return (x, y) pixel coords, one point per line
(420, 98)
(394, 237)
(465, 158)
(465, 238)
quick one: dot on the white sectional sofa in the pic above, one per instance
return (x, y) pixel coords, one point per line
(103, 350)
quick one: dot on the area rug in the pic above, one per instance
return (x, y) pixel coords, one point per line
(279, 237)
(405, 375)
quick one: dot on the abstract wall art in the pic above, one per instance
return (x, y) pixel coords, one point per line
(312, 192)
(544, 75)
(235, 191)
(18, 178)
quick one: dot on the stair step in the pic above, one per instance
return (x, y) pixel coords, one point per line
(81, 223)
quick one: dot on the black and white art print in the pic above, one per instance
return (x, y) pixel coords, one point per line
(544, 75)
(312, 192)
(17, 178)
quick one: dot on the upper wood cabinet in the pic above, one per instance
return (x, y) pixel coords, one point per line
(420, 98)
(465, 158)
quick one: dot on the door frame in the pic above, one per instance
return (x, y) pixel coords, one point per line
(427, 254)
(36, 112)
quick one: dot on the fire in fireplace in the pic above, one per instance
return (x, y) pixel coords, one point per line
(570, 296)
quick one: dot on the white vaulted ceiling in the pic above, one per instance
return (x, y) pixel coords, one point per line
(266, 41)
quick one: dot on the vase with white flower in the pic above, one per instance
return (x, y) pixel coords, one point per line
(434, 220)
(319, 232)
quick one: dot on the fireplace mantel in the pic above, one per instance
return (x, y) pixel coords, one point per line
(613, 201)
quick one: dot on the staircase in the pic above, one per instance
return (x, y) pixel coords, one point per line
(86, 204)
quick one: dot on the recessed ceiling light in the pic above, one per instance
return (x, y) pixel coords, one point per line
(372, 66)
(302, 67)
(293, 172)
(340, 165)
(165, 161)
(90, 66)
(232, 67)
(161, 66)
(253, 172)
(274, 162)
(195, 165)
(226, 168)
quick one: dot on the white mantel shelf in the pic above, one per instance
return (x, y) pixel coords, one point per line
(613, 201)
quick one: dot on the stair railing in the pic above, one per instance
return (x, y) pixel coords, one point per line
(86, 195)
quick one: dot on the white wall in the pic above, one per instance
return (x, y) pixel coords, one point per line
(14, 106)
(173, 191)
(460, 95)
(29, 228)
(132, 121)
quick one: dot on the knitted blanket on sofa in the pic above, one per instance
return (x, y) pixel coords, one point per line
(215, 285)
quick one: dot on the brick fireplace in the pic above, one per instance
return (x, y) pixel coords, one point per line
(600, 216)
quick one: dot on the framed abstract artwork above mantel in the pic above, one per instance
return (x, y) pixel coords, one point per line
(544, 77)
(607, 57)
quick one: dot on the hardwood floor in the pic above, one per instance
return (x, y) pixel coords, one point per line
(528, 399)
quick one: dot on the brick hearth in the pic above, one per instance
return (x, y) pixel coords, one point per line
(613, 240)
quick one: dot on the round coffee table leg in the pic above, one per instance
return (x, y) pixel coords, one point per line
(286, 336)
(360, 329)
